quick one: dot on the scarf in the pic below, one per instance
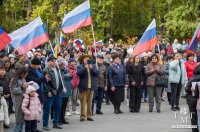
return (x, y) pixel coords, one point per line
(40, 76)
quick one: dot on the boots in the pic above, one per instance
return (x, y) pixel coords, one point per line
(118, 108)
(115, 109)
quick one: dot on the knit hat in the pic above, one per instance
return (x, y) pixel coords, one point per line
(34, 84)
(71, 60)
(36, 61)
(1, 90)
(30, 89)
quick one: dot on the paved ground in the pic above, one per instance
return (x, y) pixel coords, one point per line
(127, 122)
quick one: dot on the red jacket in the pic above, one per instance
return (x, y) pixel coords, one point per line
(169, 50)
(189, 66)
(75, 79)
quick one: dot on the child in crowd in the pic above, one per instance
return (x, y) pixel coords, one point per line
(31, 107)
(4, 118)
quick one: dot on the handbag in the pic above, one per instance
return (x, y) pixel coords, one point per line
(161, 81)
(50, 89)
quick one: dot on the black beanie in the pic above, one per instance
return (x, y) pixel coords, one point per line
(36, 61)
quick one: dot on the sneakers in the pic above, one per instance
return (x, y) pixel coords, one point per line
(82, 119)
(90, 119)
(177, 108)
(68, 114)
(46, 128)
(173, 108)
(57, 127)
(76, 113)
(99, 112)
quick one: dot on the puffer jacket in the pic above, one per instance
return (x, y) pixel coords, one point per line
(31, 106)
(176, 73)
(4, 111)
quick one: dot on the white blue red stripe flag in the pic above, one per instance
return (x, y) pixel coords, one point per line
(148, 40)
(29, 36)
(193, 46)
(4, 39)
(99, 43)
(79, 17)
(62, 39)
(78, 43)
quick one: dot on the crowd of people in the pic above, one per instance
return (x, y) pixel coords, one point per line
(37, 84)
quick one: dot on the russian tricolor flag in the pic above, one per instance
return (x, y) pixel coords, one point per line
(193, 46)
(78, 42)
(79, 17)
(4, 39)
(29, 36)
(148, 40)
(99, 43)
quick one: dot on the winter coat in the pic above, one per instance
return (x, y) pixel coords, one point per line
(151, 79)
(4, 85)
(176, 73)
(4, 111)
(75, 78)
(102, 77)
(137, 75)
(67, 83)
(32, 76)
(52, 82)
(117, 76)
(18, 98)
(31, 106)
(189, 66)
(83, 75)
(9, 74)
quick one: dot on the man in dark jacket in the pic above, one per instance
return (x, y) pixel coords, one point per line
(35, 74)
(88, 74)
(101, 84)
(54, 99)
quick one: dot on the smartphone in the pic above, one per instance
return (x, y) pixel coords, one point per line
(89, 62)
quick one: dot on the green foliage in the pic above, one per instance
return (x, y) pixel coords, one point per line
(124, 20)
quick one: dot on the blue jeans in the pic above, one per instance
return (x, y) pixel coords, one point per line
(144, 93)
(98, 96)
(198, 116)
(18, 127)
(56, 101)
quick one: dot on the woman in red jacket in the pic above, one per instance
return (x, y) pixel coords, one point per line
(190, 64)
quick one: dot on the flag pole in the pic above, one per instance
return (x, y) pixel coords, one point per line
(94, 44)
(57, 66)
